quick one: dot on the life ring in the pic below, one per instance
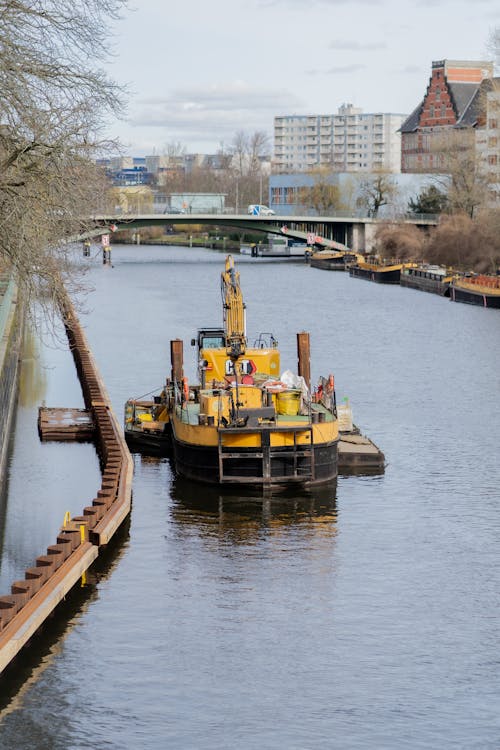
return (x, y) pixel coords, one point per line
(185, 389)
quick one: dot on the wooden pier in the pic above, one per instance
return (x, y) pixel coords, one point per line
(65, 424)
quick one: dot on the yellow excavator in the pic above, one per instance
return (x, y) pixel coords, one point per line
(233, 311)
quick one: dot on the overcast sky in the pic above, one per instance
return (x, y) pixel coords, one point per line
(198, 71)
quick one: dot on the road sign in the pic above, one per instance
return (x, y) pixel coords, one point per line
(105, 240)
(311, 238)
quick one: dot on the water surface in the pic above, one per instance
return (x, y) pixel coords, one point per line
(362, 615)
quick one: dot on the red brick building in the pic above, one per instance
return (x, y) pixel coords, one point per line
(452, 102)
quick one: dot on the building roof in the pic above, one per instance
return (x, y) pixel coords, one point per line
(411, 122)
(467, 101)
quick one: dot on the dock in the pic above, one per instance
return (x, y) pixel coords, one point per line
(62, 424)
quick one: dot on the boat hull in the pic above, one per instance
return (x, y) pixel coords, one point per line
(473, 297)
(202, 463)
(149, 444)
(424, 284)
(380, 276)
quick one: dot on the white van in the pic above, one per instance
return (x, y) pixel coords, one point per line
(257, 209)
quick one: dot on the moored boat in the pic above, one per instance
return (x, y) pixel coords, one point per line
(333, 260)
(427, 278)
(147, 424)
(382, 272)
(244, 423)
(479, 289)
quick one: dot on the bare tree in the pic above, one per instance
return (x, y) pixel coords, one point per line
(53, 101)
(376, 191)
(322, 195)
(403, 241)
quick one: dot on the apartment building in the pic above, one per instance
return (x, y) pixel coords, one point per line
(349, 141)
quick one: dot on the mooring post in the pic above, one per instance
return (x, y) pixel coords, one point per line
(304, 357)
(177, 360)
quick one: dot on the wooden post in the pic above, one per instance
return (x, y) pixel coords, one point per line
(304, 357)
(177, 359)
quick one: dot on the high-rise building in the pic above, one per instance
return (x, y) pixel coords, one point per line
(349, 141)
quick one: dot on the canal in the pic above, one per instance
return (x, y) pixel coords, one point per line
(364, 615)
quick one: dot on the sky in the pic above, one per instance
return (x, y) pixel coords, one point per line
(200, 71)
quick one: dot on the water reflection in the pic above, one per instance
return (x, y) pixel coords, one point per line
(248, 511)
(47, 644)
(33, 377)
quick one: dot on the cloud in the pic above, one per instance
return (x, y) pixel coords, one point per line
(410, 69)
(339, 69)
(344, 44)
(212, 114)
(308, 4)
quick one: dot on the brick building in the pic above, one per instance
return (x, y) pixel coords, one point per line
(453, 101)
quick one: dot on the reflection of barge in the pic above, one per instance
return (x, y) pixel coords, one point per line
(477, 290)
(380, 272)
(244, 424)
(436, 279)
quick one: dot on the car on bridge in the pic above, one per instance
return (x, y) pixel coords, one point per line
(257, 209)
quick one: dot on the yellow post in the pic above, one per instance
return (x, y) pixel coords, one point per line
(82, 533)
(67, 519)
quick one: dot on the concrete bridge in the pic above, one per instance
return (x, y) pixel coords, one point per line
(354, 232)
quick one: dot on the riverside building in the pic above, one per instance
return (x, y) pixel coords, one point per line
(349, 141)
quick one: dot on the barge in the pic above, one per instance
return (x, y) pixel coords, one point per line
(244, 423)
(427, 278)
(331, 260)
(480, 290)
(382, 272)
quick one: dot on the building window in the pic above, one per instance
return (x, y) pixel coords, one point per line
(431, 110)
(492, 159)
(493, 124)
(492, 142)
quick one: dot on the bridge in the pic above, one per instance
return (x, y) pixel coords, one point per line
(341, 231)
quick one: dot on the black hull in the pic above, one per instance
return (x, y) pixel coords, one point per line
(149, 444)
(328, 265)
(201, 463)
(475, 298)
(380, 277)
(425, 285)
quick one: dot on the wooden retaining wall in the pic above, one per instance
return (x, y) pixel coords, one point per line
(55, 572)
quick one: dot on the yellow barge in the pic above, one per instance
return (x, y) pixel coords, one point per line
(245, 423)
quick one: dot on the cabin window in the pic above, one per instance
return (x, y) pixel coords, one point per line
(212, 342)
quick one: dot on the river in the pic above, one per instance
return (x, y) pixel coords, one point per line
(363, 615)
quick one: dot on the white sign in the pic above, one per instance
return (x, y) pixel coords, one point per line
(310, 238)
(105, 240)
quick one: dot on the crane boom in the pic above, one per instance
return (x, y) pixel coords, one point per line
(233, 310)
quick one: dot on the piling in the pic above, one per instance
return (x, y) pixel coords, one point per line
(304, 357)
(78, 542)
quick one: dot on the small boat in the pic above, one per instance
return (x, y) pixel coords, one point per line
(245, 423)
(276, 247)
(147, 424)
(382, 272)
(333, 260)
(478, 289)
(427, 278)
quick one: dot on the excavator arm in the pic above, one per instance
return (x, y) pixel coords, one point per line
(233, 310)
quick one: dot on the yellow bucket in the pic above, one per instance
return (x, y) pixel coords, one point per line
(288, 402)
